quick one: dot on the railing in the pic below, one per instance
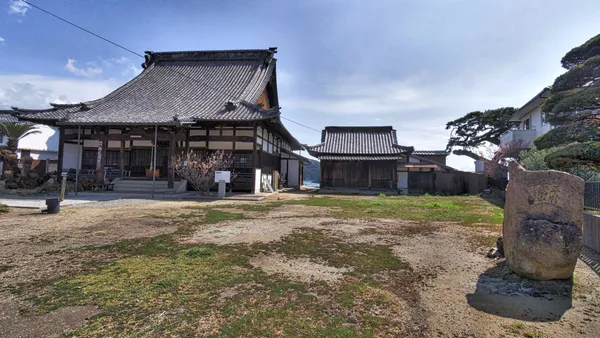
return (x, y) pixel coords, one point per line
(591, 195)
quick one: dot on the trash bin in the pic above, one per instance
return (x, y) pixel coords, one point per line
(53, 205)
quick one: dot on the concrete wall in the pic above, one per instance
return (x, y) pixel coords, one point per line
(591, 231)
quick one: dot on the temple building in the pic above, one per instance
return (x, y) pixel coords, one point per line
(196, 100)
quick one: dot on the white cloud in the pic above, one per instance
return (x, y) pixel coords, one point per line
(2, 40)
(38, 91)
(91, 70)
(18, 7)
(127, 66)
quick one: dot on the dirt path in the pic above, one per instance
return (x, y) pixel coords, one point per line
(461, 293)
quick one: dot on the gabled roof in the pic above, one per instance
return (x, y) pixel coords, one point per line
(7, 116)
(179, 87)
(532, 104)
(370, 142)
(430, 153)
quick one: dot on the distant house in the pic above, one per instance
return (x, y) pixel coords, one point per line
(530, 121)
(371, 158)
(194, 100)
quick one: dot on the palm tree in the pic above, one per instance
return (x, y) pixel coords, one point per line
(16, 131)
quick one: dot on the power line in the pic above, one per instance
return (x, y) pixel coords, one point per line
(300, 124)
(142, 56)
(83, 29)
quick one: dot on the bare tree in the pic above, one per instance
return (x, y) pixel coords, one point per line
(199, 168)
(496, 161)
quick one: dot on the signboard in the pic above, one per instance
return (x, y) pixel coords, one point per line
(223, 176)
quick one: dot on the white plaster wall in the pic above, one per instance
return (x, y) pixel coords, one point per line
(70, 156)
(46, 140)
(294, 173)
(535, 117)
(257, 180)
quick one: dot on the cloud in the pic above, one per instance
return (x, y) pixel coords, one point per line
(128, 67)
(38, 91)
(18, 7)
(2, 40)
(91, 70)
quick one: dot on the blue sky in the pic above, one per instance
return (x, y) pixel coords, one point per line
(411, 64)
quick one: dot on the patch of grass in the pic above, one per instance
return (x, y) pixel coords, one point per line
(466, 210)
(200, 251)
(382, 195)
(216, 216)
(3, 208)
(4, 268)
(322, 245)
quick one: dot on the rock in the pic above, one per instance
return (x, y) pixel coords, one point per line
(543, 220)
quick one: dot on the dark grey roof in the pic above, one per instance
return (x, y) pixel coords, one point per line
(187, 86)
(430, 153)
(358, 141)
(7, 116)
(360, 157)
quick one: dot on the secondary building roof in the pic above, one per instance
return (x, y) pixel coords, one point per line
(535, 102)
(359, 144)
(7, 116)
(181, 87)
(430, 153)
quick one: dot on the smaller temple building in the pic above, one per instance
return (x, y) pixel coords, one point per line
(370, 158)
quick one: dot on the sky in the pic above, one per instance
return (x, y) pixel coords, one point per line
(414, 65)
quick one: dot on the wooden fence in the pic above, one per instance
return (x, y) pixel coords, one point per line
(441, 183)
(591, 231)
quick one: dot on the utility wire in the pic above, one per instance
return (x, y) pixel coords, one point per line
(83, 29)
(142, 56)
(300, 124)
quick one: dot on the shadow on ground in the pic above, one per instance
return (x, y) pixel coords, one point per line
(503, 293)
(591, 258)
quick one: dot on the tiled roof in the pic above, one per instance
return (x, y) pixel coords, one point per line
(358, 141)
(7, 116)
(360, 157)
(430, 153)
(182, 86)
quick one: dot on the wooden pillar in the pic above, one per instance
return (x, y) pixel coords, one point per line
(187, 141)
(370, 163)
(61, 148)
(171, 153)
(254, 162)
(101, 158)
(122, 159)
(234, 134)
(321, 168)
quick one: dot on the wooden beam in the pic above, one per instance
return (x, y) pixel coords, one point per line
(170, 169)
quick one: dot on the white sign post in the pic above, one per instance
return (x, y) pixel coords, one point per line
(222, 177)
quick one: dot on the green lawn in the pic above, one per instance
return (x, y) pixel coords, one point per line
(159, 287)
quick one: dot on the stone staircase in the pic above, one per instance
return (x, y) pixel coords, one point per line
(145, 186)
